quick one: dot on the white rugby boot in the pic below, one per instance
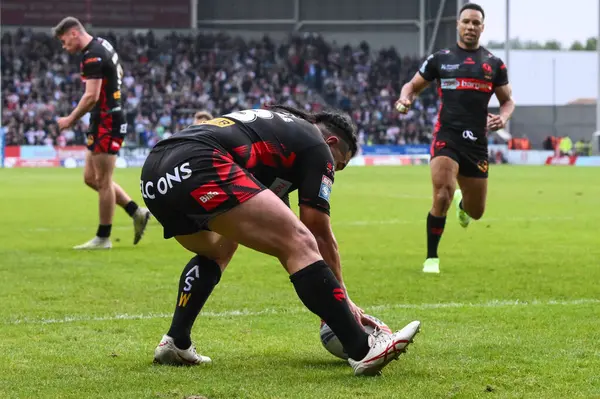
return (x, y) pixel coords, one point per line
(140, 221)
(167, 353)
(431, 265)
(385, 347)
(96, 243)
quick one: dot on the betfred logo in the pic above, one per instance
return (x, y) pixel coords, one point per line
(209, 196)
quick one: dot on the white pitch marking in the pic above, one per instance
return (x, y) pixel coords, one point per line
(244, 312)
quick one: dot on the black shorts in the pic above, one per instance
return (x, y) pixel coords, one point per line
(472, 159)
(106, 133)
(186, 184)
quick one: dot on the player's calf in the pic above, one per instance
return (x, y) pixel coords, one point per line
(197, 281)
(322, 294)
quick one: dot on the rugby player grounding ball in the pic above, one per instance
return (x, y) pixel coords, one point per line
(333, 344)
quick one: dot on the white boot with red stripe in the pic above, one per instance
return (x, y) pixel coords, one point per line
(385, 347)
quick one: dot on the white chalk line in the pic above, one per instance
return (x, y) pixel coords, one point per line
(297, 310)
(340, 223)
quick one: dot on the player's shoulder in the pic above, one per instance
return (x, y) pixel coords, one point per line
(491, 56)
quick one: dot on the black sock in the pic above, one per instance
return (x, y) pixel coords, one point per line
(103, 230)
(130, 208)
(196, 283)
(435, 228)
(460, 205)
(321, 293)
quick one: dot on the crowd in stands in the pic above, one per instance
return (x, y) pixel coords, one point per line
(168, 79)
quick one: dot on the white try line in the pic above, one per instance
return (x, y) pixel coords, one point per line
(297, 310)
(345, 223)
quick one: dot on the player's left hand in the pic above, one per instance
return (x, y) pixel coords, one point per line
(64, 123)
(495, 122)
(359, 314)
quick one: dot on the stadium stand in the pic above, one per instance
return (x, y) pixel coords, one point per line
(168, 79)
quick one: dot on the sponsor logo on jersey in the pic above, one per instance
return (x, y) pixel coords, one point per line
(93, 59)
(280, 187)
(218, 122)
(469, 61)
(151, 189)
(487, 71)
(468, 135)
(325, 190)
(450, 67)
(466, 84)
(483, 166)
(209, 196)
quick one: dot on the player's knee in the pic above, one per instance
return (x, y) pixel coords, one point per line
(443, 196)
(103, 183)
(90, 181)
(477, 212)
(224, 253)
(301, 243)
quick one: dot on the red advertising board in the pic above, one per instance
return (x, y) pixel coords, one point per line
(171, 14)
(561, 160)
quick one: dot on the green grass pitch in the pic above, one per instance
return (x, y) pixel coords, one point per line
(515, 312)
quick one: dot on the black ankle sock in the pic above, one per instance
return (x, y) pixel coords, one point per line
(322, 294)
(104, 230)
(435, 228)
(196, 283)
(130, 208)
(460, 205)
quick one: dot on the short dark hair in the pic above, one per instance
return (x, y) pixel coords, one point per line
(472, 6)
(203, 115)
(66, 24)
(337, 123)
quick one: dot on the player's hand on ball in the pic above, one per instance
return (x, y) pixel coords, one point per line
(359, 314)
(403, 105)
(64, 123)
(495, 122)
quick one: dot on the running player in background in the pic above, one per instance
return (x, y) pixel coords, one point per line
(220, 183)
(467, 75)
(102, 73)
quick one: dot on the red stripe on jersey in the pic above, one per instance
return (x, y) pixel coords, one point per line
(103, 99)
(438, 123)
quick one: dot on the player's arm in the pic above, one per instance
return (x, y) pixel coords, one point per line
(314, 190)
(88, 100)
(424, 76)
(503, 92)
(319, 224)
(92, 72)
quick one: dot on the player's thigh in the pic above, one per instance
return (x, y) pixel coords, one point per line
(264, 223)
(104, 165)
(211, 245)
(444, 169)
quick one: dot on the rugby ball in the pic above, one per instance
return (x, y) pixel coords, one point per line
(333, 345)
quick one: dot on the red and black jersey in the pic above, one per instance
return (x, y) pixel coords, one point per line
(466, 80)
(101, 61)
(281, 151)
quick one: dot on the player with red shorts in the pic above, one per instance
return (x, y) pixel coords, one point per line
(225, 182)
(467, 75)
(102, 73)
